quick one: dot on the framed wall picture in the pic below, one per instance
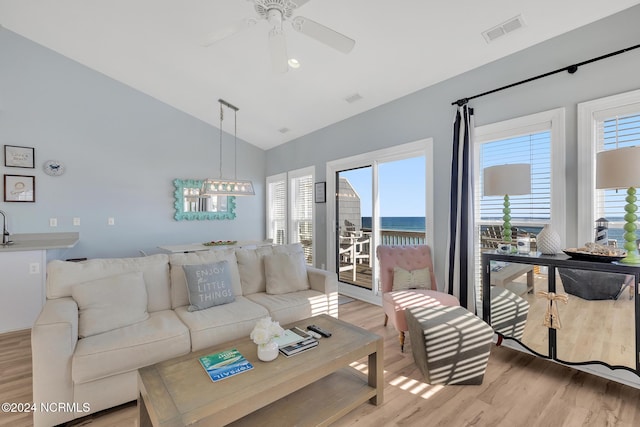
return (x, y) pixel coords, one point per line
(19, 188)
(19, 157)
(321, 193)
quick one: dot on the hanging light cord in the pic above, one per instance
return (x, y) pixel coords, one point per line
(220, 157)
(235, 144)
(235, 136)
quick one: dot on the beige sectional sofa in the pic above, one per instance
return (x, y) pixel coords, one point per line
(105, 318)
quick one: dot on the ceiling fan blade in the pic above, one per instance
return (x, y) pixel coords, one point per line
(226, 32)
(278, 49)
(323, 34)
(299, 3)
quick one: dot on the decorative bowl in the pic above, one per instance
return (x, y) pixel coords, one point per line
(586, 256)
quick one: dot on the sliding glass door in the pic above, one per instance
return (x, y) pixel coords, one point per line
(380, 198)
(353, 245)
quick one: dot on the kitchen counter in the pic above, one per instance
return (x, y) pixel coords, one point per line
(22, 284)
(41, 241)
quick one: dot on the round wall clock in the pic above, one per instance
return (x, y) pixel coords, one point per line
(53, 168)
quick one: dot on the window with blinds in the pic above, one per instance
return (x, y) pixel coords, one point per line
(534, 208)
(302, 213)
(277, 210)
(290, 209)
(615, 128)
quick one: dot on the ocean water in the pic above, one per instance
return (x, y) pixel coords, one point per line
(416, 223)
(401, 223)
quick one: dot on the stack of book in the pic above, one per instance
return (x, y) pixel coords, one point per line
(299, 347)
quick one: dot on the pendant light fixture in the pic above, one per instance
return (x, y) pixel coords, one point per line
(222, 186)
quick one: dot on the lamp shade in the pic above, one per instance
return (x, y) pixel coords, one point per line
(618, 168)
(512, 179)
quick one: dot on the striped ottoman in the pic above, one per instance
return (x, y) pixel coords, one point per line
(450, 345)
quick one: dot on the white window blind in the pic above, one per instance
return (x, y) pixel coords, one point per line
(277, 209)
(290, 209)
(534, 149)
(615, 128)
(302, 213)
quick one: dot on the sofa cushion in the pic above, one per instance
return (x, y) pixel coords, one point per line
(179, 291)
(160, 337)
(251, 267)
(293, 306)
(285, 273)
(291, 248)
(411, 279)
(209, 285)
(221, 323)
(62, 275)
(110, 303)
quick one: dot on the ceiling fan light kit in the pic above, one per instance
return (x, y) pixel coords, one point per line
(276, 12)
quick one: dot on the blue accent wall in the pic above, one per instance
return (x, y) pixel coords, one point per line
(122, 150)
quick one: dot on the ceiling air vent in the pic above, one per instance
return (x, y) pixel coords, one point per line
(504, 28)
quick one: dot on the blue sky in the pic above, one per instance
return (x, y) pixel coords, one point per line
(401, 184)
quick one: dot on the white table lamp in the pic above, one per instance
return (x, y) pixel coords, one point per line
(620, 168)
(504, 180)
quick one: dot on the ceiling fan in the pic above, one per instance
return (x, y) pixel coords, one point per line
(276, 12)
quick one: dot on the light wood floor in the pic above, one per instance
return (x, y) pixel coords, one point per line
(518, 390)
(591, 330)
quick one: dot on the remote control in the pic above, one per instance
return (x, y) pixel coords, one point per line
(314, 334)
(319, 330)
(306, 334)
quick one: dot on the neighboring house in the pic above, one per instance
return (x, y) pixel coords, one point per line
(348, 208)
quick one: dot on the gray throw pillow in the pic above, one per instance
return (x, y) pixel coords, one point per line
(208, 285)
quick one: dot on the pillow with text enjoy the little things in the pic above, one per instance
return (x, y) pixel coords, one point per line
(208, 285)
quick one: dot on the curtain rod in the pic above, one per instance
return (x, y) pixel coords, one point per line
(571, 69)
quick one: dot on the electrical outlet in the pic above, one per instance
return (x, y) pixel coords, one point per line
(34, 268)
(76, 221)
(111, 221)
(53, 222)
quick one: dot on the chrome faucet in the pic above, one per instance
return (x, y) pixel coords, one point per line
(5, 232)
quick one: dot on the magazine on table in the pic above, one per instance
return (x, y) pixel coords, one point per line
(299, 347)
(225, 364)
(291, 336)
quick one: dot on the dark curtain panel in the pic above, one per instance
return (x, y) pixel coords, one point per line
(459, 264)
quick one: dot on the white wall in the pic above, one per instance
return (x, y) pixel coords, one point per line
(122, 149)
(429, 113)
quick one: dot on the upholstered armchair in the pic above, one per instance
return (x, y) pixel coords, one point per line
(411, 268)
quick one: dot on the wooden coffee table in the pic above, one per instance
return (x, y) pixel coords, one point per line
(316, 387)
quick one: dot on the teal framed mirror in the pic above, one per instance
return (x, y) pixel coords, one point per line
(190, 206)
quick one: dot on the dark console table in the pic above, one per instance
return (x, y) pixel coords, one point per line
(561, 261)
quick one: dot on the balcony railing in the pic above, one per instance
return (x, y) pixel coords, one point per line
(400, 237)
(388, 237)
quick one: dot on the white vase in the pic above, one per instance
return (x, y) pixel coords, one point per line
(548, 241)
(267, 352)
